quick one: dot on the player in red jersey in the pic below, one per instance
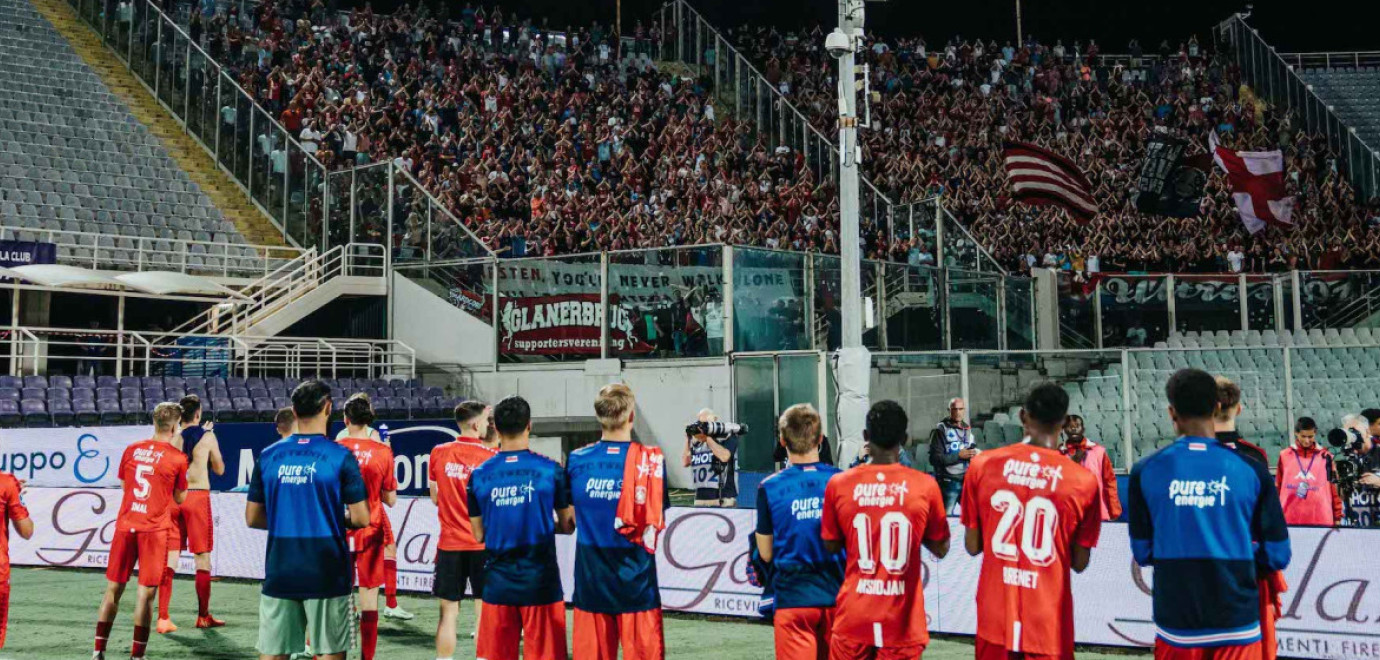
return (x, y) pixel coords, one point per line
(376, 466)
(153, 474)
(882, 513)
(1033, 514)
(193, 528)
(459, 557)
(12, 510)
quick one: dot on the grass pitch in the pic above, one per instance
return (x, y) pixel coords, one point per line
(53, 613)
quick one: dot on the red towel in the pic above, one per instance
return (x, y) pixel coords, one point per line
(641, 511)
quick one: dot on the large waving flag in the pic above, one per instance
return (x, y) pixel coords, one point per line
(1257, 185)
(1041, 177)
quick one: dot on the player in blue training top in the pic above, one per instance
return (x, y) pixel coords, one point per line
(511, 497)
(616, 594)
(790, 505)
(1194, 508)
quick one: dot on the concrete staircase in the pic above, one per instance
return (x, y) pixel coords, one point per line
(189, 155)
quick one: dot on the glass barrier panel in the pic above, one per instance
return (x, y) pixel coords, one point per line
(265, 160)
(172, 70)
(107, 21)
(828, 302)
(754, 393)
(1207, 303)
(145, 34)
(666, 303)
(228, 120)
(769, 305)
(369, 206)
(974, 320)
(1135, 310)
(1077, 312)
(923, 383)
(548, 309)
(1261, 310)
(914, 313)
(246, 134)
(338, 207)
(1334, 299)
(201, 73)
(999, 382)
(1020, 315)
(409, 220)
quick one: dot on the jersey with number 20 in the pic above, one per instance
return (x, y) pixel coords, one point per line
(883, 513)
(1030, 504)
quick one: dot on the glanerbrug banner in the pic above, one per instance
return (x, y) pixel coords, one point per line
(1330, 610)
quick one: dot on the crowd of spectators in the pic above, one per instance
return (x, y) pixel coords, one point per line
(546, 142)
(940, 114)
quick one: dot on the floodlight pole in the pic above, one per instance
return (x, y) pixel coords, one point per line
(853, 364)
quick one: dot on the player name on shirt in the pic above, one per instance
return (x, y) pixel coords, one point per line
(1019, 577)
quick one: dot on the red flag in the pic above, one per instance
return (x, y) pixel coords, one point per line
(1257, 185)
(1041, 177)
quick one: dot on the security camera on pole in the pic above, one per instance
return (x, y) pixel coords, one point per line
(853, 363)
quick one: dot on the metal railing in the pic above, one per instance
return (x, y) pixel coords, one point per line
(43, 350)
(1339, 59)
(289, 282)
(1274, 78)
(108, 252)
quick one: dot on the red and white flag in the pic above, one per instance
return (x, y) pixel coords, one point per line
(1257, 185)
(1041, 177)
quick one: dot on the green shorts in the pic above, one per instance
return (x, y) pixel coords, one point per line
(284, 625)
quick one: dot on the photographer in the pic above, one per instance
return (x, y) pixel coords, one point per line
(711, 461)
(1369, 451)
(951, 447)
(1307, 480)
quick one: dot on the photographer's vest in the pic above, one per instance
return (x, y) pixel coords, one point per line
(1304, 492)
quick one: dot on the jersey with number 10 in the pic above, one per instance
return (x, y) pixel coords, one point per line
(1030, 504)
(883, 513)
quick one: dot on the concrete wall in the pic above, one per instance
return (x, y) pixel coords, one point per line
(440, 332)
(668, 396)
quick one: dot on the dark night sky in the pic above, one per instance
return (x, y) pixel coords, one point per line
(1314, 25)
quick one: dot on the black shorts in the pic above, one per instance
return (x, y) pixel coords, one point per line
(454, 568)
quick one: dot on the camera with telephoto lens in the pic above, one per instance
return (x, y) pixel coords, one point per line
(1348, 461)
(716, 430)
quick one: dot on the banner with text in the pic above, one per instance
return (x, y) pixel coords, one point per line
(67, 457)
(1329, 611)
(25, 253)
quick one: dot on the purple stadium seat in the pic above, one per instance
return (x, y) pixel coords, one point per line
(9, 393)
(106, 381)
(416, 407)
(274, 384)
(433, 391)
(341, 383)
(386, 392)
(14, 382)
(86, 412)
(254, 383)
(264, 409)
(199, 391)
(110, 411)
(234, 381)
(282, 402)
(239, 392)
(36, 381)
(33, 393)
(83, 394)
(259, 392)
(131, 381)
(150, 404)
(60, 381)
(107, 393)
(384, 406)
(224, 409)
(61, 410)
(215, 382)
(9, 413)
(150, 381)
(59, 394)
(84, 381)
(35, 412)
(130, 394)
(153, 393)
(134, 411)
(188, 382)
(244, 409)
(413, 383)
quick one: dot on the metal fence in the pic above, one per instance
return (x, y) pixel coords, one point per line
(1273, 78)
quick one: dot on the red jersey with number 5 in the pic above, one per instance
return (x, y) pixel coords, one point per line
(883, 513)
(1030, 504)
(150, 472)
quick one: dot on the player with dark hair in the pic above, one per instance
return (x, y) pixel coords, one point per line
(1306, 480)
(1033, 514)
(195, 528)
(459, 557)
(882, 512)
(789, 512)
(153, 474)
(1208, 520)
(376, 468)
(1093, 456)
(12, 510)
(511, 498)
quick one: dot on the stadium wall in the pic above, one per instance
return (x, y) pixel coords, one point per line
(440, 332)
(1329, 612)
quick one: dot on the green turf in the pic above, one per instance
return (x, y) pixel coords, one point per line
(52, 615)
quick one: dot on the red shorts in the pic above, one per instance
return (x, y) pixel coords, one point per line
(988, 651)
(388, 531)
(540, 628)
(598, 636)
(1166, 651)
(148, 549)
(4, 611)
(177, 530)
(367, 544)
(198, 530)
(845, 649)
(803, 632)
